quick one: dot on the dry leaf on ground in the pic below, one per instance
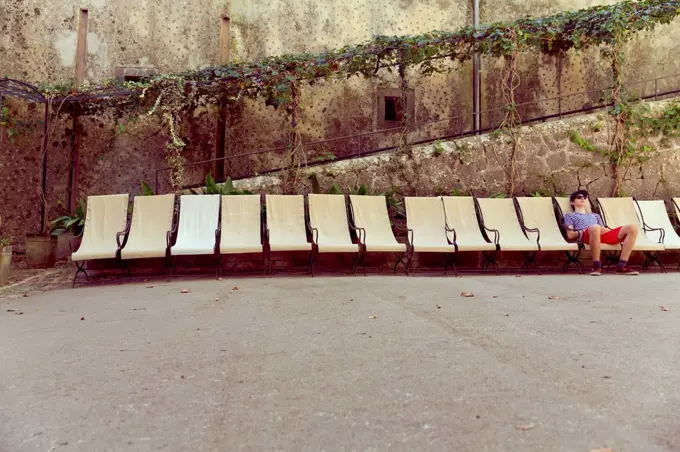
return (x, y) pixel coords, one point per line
(554, 297)
(186, 291)
(149, 287)
(217, 299)
(220, 279)
(665, 309)
(467, 294)
(12, 310)
(602, 450)
(82, 318)
(372, 317)
(528, 426)
(26, 295)
(235, 288)
(19, 313)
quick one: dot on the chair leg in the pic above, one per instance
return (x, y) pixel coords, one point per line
(312, 261)
(355, 263)
(572, 259)
(400, 260)
(218, 272)
(611, 258)
(653, 258)
(529, 260)
(489, 260)
(79, 269)
(269, 262)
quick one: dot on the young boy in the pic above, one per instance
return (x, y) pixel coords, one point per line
(588, 228)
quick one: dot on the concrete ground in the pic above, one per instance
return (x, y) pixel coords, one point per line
(345, 363)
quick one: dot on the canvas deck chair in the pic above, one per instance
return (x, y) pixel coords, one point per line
(675, 203)
(242, 226)
(198, 226)
(106, 216)
(539, 213)
(149, 234)
(371, 222)
(621, 211)
(656, 216)
(330, 226)
(427, 229)
(461, 216)
(287, 226)
(563, 205)
(501, 215)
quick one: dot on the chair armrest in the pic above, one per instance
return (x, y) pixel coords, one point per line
(447, 229)
(125, 234)
(171, 236)
(497, 235)
(409, 237)
(538, 234)
(662, 236)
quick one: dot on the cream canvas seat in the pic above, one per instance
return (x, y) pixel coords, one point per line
(241, 229)
(427, 229)
(371, 221)
(198, 223)
(500, 214)
(106, 216)
(370, 217)
(676, 205)
(539, 213)
(461, 216)
(148, 236)
(328, 219)
(286, 225)
(655, 216)
(427, 225)
(620, 212)
(564, 205)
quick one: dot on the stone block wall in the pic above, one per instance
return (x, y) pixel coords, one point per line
(548, 163)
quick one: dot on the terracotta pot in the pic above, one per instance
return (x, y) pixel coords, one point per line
(41, 251)
(63, 247)
(5, 263)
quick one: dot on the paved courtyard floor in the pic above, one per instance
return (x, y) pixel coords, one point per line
(532, 363)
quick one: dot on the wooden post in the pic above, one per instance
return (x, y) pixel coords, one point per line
(220, 142)
(81, 60)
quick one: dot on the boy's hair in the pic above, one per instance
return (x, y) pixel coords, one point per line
(573, 196)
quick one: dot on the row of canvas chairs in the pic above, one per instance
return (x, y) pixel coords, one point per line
(164, 227)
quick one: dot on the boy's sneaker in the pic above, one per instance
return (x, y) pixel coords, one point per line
(596, 272)
(626, 271)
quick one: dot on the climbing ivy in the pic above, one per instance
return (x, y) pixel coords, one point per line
(278, 79)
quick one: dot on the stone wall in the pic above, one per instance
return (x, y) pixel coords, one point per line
(548, 163)
(38, 41)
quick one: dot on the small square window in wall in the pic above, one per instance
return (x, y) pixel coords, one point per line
(392, 109)
(134, 73)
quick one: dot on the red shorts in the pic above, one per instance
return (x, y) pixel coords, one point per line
(609, 237)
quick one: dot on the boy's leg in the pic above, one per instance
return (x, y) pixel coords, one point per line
(629, 235)
(594, 233)
(594, 241)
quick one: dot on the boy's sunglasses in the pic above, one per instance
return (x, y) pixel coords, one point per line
(581, 197)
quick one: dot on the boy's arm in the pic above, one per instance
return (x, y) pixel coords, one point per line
(572, 235)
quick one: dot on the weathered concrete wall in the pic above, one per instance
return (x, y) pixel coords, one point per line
(38, 41)
(548, 162)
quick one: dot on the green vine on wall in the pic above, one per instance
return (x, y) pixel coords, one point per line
(633, 148)
(171, 96)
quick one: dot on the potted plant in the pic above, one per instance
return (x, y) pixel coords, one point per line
(66, 227)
